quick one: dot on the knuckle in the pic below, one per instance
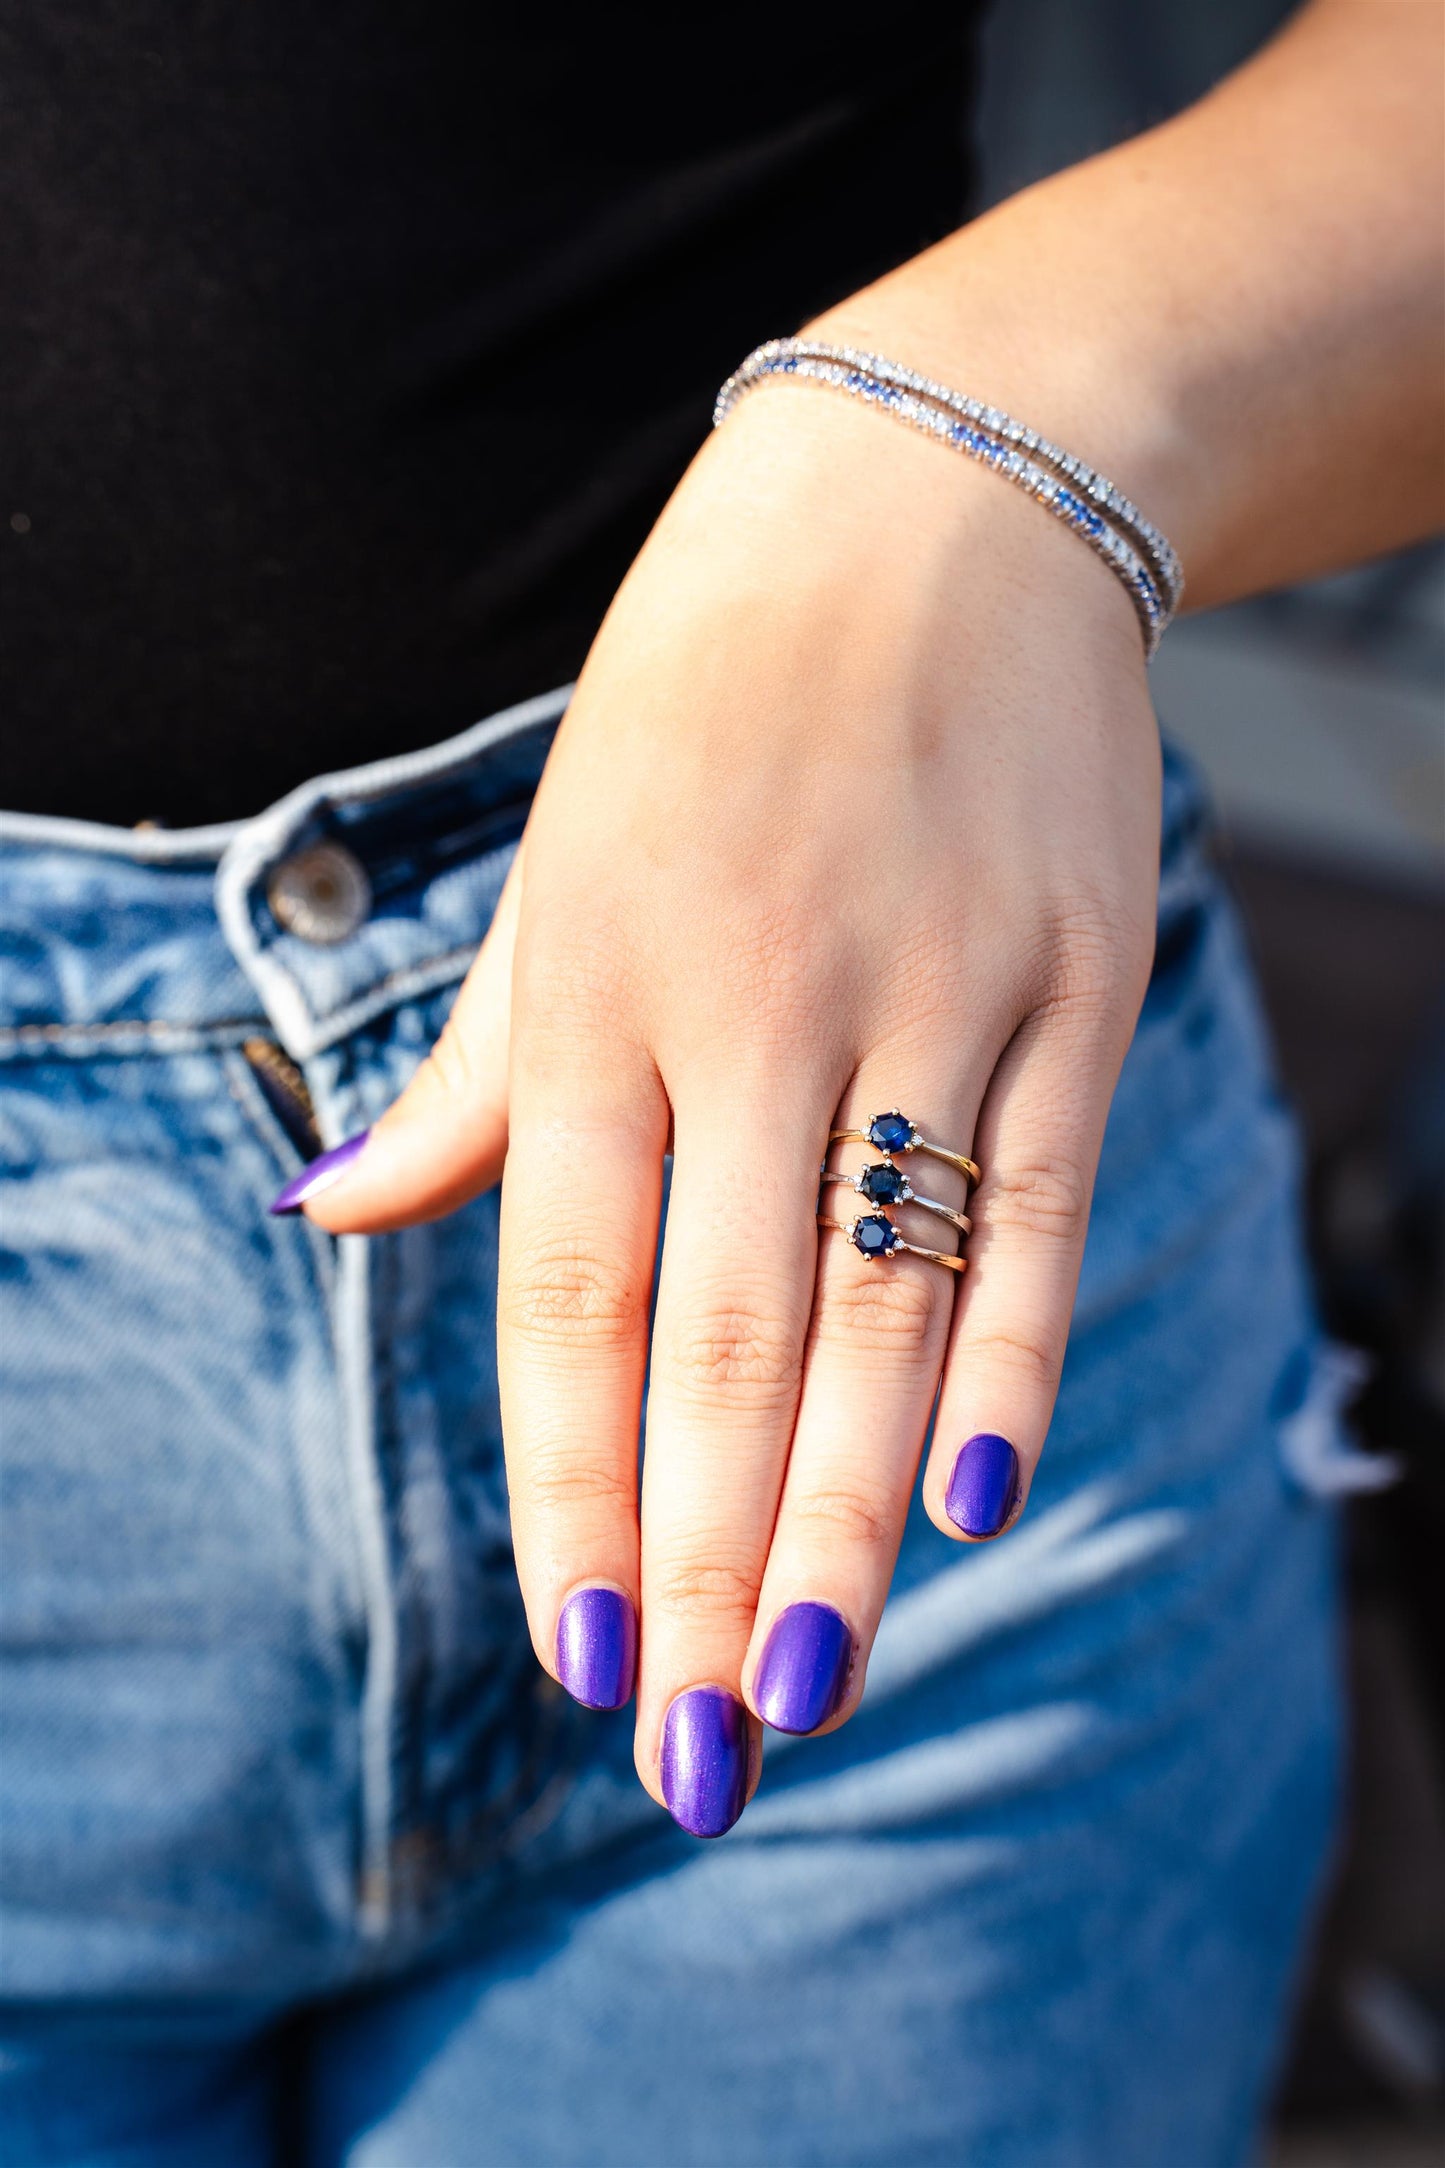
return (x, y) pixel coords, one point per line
(575, 1296)
(557, 1482)
(569, 996)
(1084, 990)
(887, 1309)
(1033, 1356)
(733, 1347)
(1087, 921)
(722, 1589)
(1094, 949)
(1045, 1196)
(847, 1513)
(778, 945)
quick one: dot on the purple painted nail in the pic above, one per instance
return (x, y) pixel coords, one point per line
(983, 1485)
(322, 1173)
(597, 1647)
(803, 1672)
(705, 1760)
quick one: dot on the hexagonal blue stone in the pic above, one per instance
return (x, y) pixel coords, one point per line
(874, 1236)
(882, 1184)
(890, 1132)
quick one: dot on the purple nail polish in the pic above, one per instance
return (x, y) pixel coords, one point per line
(803, 1672)
(597, 1647)
(983, 1485)
(705, 1760)
(321, 1174)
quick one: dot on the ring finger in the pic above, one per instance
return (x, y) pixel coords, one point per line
(875, 1349)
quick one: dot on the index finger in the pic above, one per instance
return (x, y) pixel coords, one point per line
(581, 1200)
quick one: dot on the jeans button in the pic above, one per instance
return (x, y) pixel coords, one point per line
(320, 894)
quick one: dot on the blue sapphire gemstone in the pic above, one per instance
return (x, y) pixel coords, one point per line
(882, 1184)
(890, 1132)
(874, 1236)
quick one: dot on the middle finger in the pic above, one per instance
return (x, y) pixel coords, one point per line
(727, 1348)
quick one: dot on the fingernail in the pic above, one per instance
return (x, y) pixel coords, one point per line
(597, 1647)
(323, 1173)
(983, 1485)
(705, 1760)
(803, 1672)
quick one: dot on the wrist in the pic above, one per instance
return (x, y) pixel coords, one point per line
(1088, 503)
(1072, 370)
(813, 501)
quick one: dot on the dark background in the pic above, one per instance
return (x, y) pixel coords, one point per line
(1319, 720)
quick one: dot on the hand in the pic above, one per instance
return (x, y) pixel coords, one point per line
(856, 807)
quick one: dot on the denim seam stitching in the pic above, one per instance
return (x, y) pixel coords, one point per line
(191, 1038)
(407, 983)
(366, 1485)
(402, 984)
(353, 1580)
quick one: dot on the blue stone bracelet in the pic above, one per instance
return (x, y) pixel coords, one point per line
(1135, 551)
(1161, 558)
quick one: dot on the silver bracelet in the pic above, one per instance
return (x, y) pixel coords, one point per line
(1133, 548)
(1153, 547)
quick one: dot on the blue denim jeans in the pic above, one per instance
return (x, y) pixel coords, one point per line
(305, 1861)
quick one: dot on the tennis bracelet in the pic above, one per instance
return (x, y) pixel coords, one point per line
(1114, 528)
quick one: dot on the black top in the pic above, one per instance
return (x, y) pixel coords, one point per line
(349, 351)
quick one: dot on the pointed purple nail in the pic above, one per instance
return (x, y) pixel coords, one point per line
(983, 1485)
(705, 1760)
(322, 1174)
(597, 1647)
(803, 1672)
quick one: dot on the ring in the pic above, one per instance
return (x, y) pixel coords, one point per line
(887, 1184)
(894, 1132)
(873, 1237)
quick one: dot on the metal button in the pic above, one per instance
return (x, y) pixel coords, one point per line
(321, 894)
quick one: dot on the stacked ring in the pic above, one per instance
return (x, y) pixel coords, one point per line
(887, 1184)
(873, 1234)
(894, 1132)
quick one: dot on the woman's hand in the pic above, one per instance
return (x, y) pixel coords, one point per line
(855, 808)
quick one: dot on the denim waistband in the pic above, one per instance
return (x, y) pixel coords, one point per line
(138, 937)
(105, 930)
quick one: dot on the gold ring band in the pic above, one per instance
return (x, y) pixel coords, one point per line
(895, 1132)
(875, 1237)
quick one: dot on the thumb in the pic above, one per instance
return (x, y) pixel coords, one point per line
(444, 1140)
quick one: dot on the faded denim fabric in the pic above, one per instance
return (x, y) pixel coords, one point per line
(296, 1840)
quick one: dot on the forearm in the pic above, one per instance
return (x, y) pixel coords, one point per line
(1238, 316)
